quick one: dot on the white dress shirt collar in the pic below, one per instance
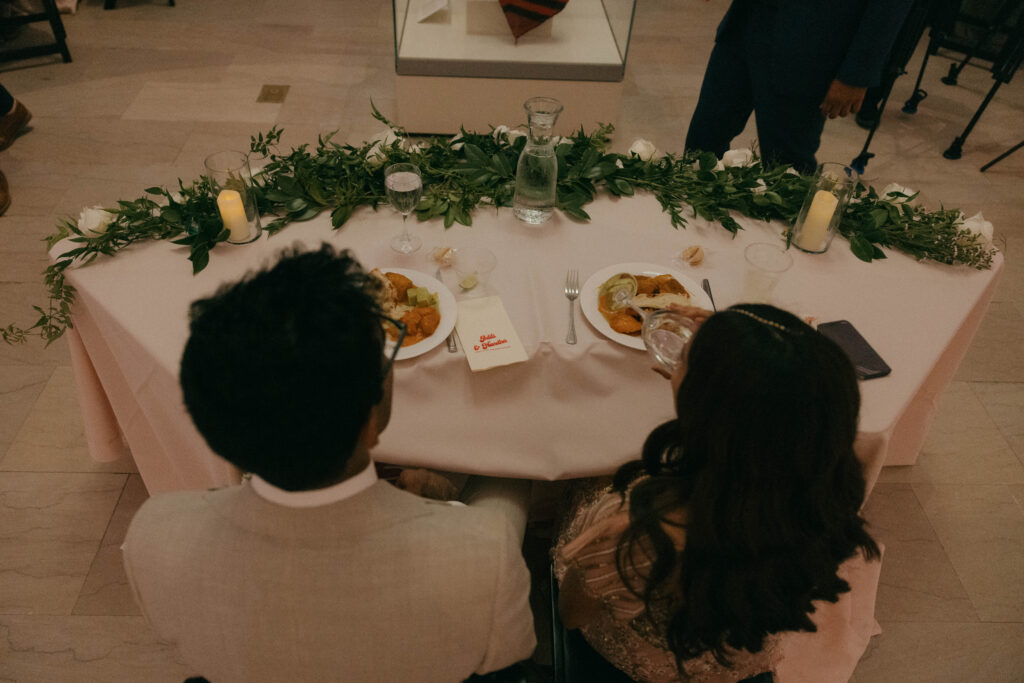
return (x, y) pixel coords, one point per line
(317, 497)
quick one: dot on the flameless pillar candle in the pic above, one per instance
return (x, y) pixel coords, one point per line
(819, 217)
(232, 212)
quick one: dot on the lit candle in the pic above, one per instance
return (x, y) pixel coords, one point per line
(819, 216)
(232, 212)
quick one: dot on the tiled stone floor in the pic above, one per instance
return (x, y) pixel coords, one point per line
(153, 89)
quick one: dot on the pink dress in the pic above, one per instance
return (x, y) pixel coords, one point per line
(628, 637)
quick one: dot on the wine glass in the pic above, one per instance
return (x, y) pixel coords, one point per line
(404, 185)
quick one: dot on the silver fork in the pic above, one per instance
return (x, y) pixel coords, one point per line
(572, 292)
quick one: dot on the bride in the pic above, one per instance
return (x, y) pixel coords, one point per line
(730, 548)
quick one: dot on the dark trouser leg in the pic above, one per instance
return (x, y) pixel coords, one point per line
(6, 101)
(725, 102)
(789, 124)
(789, 132)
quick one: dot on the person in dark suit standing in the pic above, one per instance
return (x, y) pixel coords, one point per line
(793, 63)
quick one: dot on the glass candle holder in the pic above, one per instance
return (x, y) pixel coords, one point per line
(236, 201)
(818, 220)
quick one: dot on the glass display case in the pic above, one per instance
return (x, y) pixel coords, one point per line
(586, 41)
(465, 50)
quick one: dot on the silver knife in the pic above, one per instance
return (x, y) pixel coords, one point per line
(451, 337)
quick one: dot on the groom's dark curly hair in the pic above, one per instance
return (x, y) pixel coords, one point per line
(281, 369)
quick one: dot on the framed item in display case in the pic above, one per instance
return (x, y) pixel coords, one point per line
(466, 53)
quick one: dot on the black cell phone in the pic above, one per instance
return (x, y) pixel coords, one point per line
(866, 361)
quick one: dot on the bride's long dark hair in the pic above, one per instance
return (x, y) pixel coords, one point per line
(760, 461)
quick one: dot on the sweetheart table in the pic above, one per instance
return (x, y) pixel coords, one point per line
(569, 410)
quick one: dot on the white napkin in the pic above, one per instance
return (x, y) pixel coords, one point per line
(487, 335)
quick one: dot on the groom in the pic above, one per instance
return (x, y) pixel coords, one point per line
(314, 569)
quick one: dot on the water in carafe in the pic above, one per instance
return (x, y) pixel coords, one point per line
(537, 170)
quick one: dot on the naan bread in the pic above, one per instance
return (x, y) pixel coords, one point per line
(659, 301)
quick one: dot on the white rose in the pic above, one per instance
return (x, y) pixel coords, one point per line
(94, 220)
(618, 163)
(792, 171)
(761, 186)
(177, 198)
(719, 166)
(738, 157)
(979, 226)
(456, 145)
(893, 189)
(512, 134)
(380, 142)
(644, 149)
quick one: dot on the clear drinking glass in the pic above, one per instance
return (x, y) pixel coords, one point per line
(473, 266)
(766, 262)
(537, 170)
(818, 220)
(666, 334)
(404, 184)
(236, 201)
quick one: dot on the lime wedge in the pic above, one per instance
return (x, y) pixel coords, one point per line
(469, 282)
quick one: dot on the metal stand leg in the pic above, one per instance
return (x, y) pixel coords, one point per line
(861, 161)
(1002, 71)
(955, 150)
(1002, 156)
(910, 106)
(903, 48)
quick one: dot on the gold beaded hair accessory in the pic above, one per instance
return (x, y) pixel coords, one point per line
(769, 323)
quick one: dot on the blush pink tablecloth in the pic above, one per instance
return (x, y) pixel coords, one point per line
(569, 411)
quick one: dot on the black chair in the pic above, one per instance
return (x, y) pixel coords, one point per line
(576, 662)
(112, 4)
(992, 31)
(513, 674)
(59, 45)
(573, 658)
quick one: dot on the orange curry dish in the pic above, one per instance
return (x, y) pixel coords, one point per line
(401, 299)
(420, 323)
(651, 293)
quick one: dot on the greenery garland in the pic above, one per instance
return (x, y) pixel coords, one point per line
(478, 169)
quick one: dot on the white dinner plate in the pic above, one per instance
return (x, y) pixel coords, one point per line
(588, 296)
(445, 306)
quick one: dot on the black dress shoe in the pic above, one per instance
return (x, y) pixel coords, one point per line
(867, 119)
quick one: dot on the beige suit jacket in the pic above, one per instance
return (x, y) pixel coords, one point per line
(383, 586)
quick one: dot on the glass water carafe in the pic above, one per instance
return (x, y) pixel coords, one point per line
(537, 171)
